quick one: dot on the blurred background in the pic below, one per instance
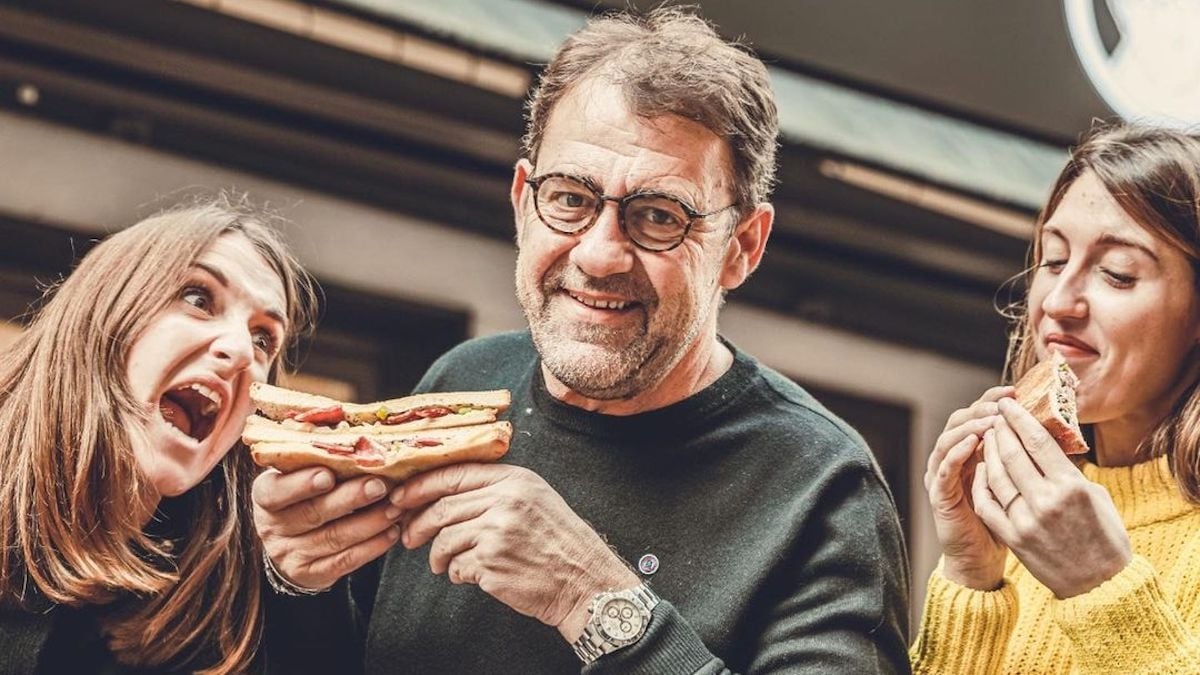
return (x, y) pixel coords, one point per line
(919, 140)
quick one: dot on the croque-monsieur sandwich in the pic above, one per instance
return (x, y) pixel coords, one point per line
(394, 439)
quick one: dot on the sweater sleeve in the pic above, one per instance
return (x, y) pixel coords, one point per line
(963, 630)
(1127, 625)
(842, 607)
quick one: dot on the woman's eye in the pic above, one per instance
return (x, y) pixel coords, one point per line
(1053, 265)
(264, 340)
(1117, 279)
(198, 297)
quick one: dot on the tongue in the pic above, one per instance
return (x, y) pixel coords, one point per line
(174, 413)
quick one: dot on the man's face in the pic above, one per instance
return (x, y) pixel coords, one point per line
(609, 319)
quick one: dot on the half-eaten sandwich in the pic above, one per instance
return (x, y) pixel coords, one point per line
(394, 439)
(1047, 391)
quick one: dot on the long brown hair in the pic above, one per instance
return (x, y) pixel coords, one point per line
(1154, 175)
(69, 502)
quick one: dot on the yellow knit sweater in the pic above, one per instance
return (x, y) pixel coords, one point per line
(1146, 619)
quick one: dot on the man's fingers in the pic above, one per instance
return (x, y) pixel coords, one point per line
(426, 523)
(464, 568)
(430, 486)
(311, 514)
(341, 534)
(274, 491)
(323, 572)
(449, 543)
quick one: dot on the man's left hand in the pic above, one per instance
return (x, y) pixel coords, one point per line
(504, 529)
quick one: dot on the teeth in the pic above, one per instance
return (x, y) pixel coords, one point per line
(214, 400)
(602, 304)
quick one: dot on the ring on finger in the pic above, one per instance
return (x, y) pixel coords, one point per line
(1011, 501)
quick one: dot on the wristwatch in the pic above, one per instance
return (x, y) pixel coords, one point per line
(616, 619)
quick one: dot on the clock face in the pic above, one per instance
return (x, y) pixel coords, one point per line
(621, 620)
(1141, 56)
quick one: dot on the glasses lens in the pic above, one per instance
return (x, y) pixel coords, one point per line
(655, 222)
(566, 204)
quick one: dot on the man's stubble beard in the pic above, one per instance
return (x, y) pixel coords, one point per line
(600, 362)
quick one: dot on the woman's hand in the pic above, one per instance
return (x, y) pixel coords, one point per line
(972, 556)
(1064, 528)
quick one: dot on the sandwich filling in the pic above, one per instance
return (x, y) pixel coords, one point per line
(368, 452)
(1065, 393)
(334, 416)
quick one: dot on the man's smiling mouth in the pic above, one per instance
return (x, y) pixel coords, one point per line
(595, 303)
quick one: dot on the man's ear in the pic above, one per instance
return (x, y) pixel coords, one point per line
(746, 246)
(518, 192)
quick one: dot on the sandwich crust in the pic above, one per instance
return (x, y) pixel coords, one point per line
(277, 403)
(1047, 391)
(485, 443)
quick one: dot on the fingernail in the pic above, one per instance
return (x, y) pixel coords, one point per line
(393, 533)
(323, 481)
(375, 488)
(397, 495)
(392, 512)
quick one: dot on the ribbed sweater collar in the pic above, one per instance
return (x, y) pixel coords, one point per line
(1144, 493)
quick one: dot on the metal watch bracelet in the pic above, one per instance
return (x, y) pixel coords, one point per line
(591, 645)
(280, 584)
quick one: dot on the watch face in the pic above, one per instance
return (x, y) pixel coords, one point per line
(621, 620)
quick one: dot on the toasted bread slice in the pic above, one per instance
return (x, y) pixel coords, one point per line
(1047, 391)
(402, 456)
(278, 403)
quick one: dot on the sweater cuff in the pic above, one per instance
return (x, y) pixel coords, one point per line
(1125, 624)
(669, 647)
(963, 630)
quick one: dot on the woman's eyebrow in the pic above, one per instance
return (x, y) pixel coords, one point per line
(1109, 239)
(272, 312)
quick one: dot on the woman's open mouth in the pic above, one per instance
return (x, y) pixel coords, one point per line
(191, 409)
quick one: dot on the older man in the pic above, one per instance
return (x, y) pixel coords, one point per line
(669, 504)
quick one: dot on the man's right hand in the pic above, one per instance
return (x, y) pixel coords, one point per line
(317, 531)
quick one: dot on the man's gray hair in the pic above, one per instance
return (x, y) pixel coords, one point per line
(671, 61)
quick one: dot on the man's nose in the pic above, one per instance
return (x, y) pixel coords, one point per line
(604, 250)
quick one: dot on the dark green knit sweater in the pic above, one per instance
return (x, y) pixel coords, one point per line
(779, 546)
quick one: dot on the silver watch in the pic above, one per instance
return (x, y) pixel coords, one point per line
(616, 619)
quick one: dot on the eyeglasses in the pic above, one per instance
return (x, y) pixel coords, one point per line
(653, 221)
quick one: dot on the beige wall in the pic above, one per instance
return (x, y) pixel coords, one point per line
(111, 182)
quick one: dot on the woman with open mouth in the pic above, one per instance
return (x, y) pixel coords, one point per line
(125, 534)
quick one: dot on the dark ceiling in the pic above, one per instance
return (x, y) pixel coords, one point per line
(185, 79)
(1005, 64)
